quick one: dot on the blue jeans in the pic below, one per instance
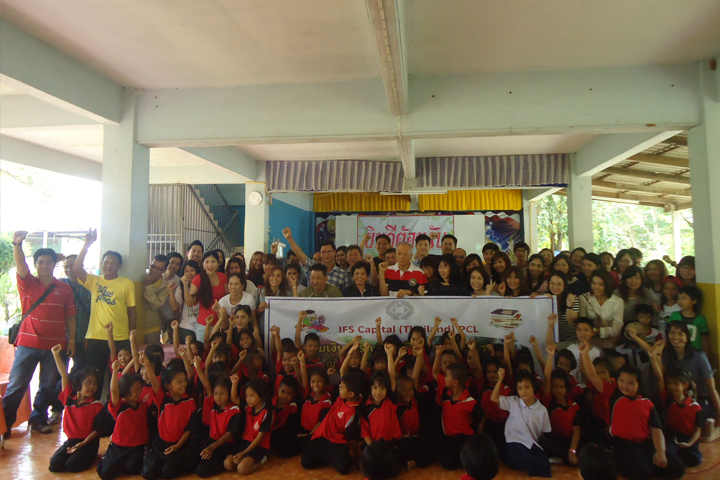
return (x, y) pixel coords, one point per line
(199, 332)
(23, 368)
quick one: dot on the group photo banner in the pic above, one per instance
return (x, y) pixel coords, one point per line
(403, 228)
(338, 320)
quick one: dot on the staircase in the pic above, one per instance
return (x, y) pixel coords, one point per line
(180, 214)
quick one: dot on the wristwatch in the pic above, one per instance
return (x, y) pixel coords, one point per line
(17, 244)
(573, 451)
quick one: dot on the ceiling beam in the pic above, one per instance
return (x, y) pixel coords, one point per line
(38, 69)
(643, 188)
(33, 155)
(535, 194)
(679, 141)
(627, 199)
(594, 101)
(661, 160)
(407, 157)
(662, 177)
(386, 19)
(193, 174)
(606, 150)
(228, 158)
(25, 111)
(677, 207)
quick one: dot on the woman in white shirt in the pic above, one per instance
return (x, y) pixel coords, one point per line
(180, 297)
(604, 309)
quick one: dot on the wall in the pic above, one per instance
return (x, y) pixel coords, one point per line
(293, 210)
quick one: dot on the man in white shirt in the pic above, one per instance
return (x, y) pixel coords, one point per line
(403, 278)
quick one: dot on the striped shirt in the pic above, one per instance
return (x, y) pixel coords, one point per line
(82, 308)
(336, 277)
(45, 326)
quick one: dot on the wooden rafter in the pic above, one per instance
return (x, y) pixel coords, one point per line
(643, 188)
(661, 160)
(662, 177)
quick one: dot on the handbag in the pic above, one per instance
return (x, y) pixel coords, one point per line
(14, 330)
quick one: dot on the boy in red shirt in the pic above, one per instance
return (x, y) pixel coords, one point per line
(286, 420)
(330, 442)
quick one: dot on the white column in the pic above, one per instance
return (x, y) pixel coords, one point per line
(677, 245)
(125, 179)
(533, 228)
(256, 220)
(579, 203)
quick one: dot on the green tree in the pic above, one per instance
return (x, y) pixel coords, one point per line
(9, 299)
(552, 222)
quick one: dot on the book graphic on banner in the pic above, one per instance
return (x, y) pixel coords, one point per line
(505, 319)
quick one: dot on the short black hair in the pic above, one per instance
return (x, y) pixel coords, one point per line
(290, 253)
(644, 308)
(223, 382)
(312, 336)
(251, 355)
(290, 381)
(530, 377)
(327, 242)
(318, 267)
(198, 243)
(422, 237)
(382, 378)
(694, 293)
(127, 381)
(172, 255)
(154, 349)
(459, 372)
(162, 259)
(560, 374)
(244, 308)
(354, 383)
(383, 236)
(447, 235)
(586, 320)
(156, 364)
(596, 463)
(46, 251)
(361, 264)
(567, 354)
(318, 371)
(259, 386)
(521, 245)
(594, 258)
(71, 257)
(378, 462)
(355, 247)
(479, 458)
(169, 374)
(490, 246)
(390, 250)
(80, 377)
(112, 253)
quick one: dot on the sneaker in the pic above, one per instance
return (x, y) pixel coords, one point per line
(264, 459)
(55, 418)
(41, 427)
(556, 461)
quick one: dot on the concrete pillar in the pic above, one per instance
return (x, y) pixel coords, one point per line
(677, 244)
(530, 228)
(704, 147)
(579, 205)
(125, 189)
(256, 220)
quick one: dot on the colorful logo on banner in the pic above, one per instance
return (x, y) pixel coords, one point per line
(503, 229)
(404, 228)
(313, 323)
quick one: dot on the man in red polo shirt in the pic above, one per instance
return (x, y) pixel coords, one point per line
(52, 322)
(403, 278)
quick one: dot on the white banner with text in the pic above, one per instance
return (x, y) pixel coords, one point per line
(338, 320)
(403, 228)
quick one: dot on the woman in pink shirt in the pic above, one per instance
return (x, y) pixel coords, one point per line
(207, 288)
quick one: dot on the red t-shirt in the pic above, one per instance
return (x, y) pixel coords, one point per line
(459, 416)
(175, 418)
(314, 411)
(131, 423)
(601, 403)
(340, 423)
(79, 419)
(682, 418)
(409, 418)
(281, 414)
(45, 326)
(221, 420)
(632, 417)
(493, 412)
(380, 421)
(258, 422)
(218, 291)
(562, 419)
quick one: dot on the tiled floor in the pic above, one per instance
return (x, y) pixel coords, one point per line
(27, 458)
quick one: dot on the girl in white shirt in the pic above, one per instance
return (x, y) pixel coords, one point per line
(604, 309)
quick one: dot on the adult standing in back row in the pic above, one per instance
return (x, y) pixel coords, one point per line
(336, 276)
(113, 301)
(49, 323)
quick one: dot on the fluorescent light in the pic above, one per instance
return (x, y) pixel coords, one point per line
(417, 192)
(616, 200)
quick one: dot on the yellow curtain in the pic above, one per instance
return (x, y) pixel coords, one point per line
(360, 202)
(472, 200)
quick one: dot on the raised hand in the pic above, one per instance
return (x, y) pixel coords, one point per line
(552, 319)
(197, 363)
(356, 345)
(378, 322)
(294, 360)
(402, 352)
(365, 239)
(388, 348)
(490, 349)
(235, 379)
(368, 258)
(56, 349)
(287, 233)
(454, 321)
(115, 366)
(242, 355)
(366, 346)
(439, 349)
(502, 288)
(331, 371)
(90, 237)
(172, 286)
(301, 356)
(471, 344)
(215, 343)
(175, 325)
(188, 339)
(533, 341)
(583, 348)
(438, 321)
(434, 235)
(217, 307)
(551, 349)
(501, 374)
(383, 267)
(452, 334)
(274, 330)
(570, 300)
(108, 328)
(19, 236)
(274, 246)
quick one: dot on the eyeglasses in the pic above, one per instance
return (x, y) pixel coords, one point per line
(153, 267)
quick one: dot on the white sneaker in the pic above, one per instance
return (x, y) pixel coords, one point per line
(556, 461)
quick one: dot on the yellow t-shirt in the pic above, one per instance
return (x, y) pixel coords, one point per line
(110, 301)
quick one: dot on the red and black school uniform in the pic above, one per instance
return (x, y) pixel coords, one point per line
(220, 421)
(174, 419)
(680, 422)
(595, 426)
(458, 420)
(280, 374)
(495, 417)
(79, 421)
(329, 443)
(285, 428)
(125, 453)
(256, 423)
(380, 421)
(313, 411)
(563, 420)
(631, 421)
(414, 443)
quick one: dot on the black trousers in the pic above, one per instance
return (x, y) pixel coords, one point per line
(533, 461)
(159, 465)
(691, 457)
(212, 466)
(121, 461)
(635, 460)
(285, 443)
(450, 450)
(81, 460)
(419, 449)
(557, 446)
(322, 451)
(496, 432)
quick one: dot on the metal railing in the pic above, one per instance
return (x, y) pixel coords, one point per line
(180, 214)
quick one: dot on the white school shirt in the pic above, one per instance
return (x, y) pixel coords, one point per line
(525, 424)
(575, 349)
(608, 317)
(247, 299)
